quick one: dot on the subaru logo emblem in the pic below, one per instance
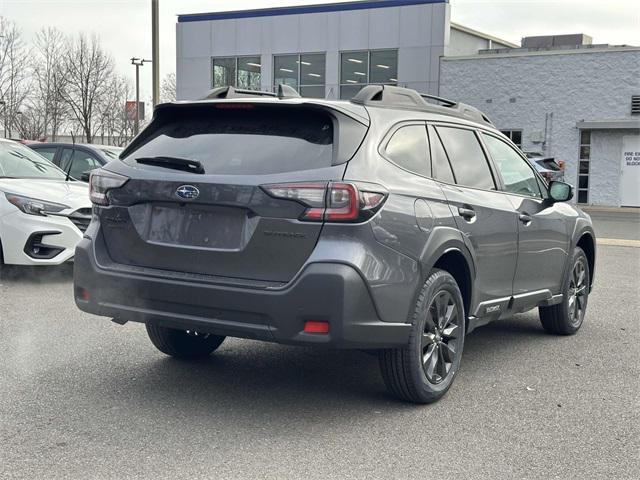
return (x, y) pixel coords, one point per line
(188, 192)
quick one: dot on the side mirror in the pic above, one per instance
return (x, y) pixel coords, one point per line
(85, 176)
(560, 191)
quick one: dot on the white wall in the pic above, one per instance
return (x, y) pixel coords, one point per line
(595, 85)
(419, 32)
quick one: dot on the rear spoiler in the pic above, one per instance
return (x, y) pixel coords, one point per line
(352, 125)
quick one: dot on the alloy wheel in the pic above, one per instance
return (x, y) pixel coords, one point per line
(577, 293)
(440, 338)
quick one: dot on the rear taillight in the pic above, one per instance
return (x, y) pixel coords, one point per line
(331, 202)
(100, 182)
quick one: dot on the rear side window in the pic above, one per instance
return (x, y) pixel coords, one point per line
(237, 139)
(409, 148)
(469, 163)
(47, 153)
(441, 166)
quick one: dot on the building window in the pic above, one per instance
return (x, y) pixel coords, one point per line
(239, 72)
(304, 72)
(357, 69)
(583, 167)
(514, 135)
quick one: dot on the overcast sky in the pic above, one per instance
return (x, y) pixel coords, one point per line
(125, 25)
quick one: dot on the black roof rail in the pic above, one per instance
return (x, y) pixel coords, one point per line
(400, 97)
(284, 91)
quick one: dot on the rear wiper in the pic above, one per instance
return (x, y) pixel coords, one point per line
(174, 163)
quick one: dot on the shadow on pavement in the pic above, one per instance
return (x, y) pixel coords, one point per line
(248, 375)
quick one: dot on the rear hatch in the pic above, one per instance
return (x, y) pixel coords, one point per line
(196, 202)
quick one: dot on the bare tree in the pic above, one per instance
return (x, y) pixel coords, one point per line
(88, 68)
(168, 88)
(50, 79)
(115, 125)
(14, 75)
(29, 123)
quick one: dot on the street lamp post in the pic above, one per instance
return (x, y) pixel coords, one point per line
(155, 50)
(138, 62)
(4, 116)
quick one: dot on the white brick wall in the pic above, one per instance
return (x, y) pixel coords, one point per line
(594, 85)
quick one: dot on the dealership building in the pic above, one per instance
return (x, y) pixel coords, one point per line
(560, 96)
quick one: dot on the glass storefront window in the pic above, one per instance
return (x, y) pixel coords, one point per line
(239, 72)
(224, 72)
(357, 69)
(304, 72)
(249, 73)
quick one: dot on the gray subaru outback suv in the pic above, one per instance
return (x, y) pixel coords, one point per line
(396, 222)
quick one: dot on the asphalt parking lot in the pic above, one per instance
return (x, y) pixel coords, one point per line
(81, 397)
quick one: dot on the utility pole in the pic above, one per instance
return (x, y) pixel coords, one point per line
(155, 51)
(138, 62)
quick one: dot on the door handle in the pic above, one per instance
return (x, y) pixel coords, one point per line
(525, 218)
(466, 213)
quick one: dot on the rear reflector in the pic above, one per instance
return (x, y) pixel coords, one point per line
(313, 326)
(83, 294)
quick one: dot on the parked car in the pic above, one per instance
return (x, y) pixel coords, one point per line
(385, 223)
(78, 160)
(548, 168)
(42, 214)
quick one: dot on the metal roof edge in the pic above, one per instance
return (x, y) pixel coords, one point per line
(471, 31)
(513, 54)
(301, 9)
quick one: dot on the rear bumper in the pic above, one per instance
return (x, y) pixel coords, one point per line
(330, 292)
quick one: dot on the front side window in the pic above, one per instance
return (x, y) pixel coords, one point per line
(239, 72)
(357, 69)
(77, 162)
(467, 159)
(517, 175)
(17, 161)
(409, 149)
(304, 72)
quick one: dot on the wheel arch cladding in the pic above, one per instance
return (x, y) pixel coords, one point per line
(456, 264)
(588, 246)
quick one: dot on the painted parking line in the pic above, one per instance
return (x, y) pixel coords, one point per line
(618, 242)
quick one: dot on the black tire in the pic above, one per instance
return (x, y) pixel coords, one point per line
(566, 318)
(1, 259)
(405, 370)
(183, 344)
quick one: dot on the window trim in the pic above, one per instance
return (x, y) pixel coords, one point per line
(235, 59)
(523, 157)
(299, 84)
(368, 52)
(382, 146)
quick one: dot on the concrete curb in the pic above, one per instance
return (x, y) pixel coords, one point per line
(618, 242)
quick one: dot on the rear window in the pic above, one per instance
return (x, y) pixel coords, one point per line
(236, 139)
(550, 164)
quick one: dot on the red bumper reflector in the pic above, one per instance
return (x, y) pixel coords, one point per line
(316, 327)
(83, 293)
